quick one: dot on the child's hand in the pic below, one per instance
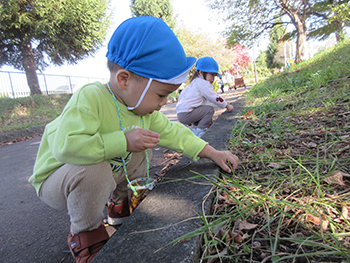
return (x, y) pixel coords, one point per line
(229, 107)
(141, 139)
(220, 158)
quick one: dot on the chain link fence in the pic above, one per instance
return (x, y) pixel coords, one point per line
(14, 84)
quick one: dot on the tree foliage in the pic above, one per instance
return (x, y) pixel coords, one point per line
(261, 60)
(251, 19)
(248, 20)
(242, 60)
(277, 34)
(198, 44)
(329, 17)
(157, 8)
(34, 33)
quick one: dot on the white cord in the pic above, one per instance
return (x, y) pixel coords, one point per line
(142, 95)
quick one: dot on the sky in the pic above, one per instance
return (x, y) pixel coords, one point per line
(195, 14)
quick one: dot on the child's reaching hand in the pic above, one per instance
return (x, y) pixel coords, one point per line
(229, 107)
(141, 139)
(220, 158)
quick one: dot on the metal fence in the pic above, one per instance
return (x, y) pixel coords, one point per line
(14, 84)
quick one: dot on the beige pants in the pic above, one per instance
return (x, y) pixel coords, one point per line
(83, 190)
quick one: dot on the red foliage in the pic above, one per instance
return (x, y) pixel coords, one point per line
(242, 60)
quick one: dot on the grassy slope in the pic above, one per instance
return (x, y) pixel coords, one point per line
(30, 111)
(289, 199)
(21, 113)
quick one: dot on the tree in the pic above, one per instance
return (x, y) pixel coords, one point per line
(242, 60)
(277, 34)
(261, 60)
(329, 16)
(34, 31)
(251, 19)
(157, 8)
(199, 44)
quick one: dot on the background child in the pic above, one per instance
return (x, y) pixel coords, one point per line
(106, 132)
(191, 108)
(222, 85)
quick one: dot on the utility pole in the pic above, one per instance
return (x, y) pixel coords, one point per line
(254, 61)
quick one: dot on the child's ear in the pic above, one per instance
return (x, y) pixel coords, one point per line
(122, 78)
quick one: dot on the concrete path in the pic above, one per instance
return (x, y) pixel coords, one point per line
(30, 231)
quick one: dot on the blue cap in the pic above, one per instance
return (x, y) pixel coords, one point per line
(149, 48)
(207, 64)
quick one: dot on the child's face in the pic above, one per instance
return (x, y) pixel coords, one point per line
(155, 98)
(211, 77)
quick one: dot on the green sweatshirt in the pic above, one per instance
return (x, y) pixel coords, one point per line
(88, 131)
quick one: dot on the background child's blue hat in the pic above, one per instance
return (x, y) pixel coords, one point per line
(207, 64)
(149, 48)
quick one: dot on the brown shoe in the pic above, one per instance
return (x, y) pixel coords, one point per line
(117, 213)
(85, 245)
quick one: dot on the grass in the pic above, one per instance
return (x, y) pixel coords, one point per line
(289, 200)
(21, 113)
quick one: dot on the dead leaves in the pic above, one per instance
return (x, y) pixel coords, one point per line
(20, 139)
(249, 115)
(337, 178)
(318, 220)
(299, 165)
(302, 212)
(170, 159)
(228, 236)
(274, 165)
(244, 225)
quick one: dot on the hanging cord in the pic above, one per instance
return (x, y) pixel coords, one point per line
(122, 127)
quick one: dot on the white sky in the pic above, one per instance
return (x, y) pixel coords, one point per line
(194, 13)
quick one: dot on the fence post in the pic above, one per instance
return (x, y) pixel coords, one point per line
(70, 85)
(13, 92)
(47, 92)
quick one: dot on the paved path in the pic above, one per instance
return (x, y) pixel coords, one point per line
(30, 231)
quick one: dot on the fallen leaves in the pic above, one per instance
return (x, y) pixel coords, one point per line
(20, 139)
(244, 225)
(293, 186)
(170, 159)
(318, 220)
(336, 177)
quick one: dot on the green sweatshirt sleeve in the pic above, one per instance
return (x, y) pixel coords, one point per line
(78, 139)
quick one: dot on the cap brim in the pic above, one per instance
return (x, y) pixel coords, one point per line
(182, 77)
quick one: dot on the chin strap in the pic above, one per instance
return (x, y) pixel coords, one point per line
(142, 95)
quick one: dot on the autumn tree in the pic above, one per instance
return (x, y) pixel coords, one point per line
(248, 20)
(34, 33)
(241, 61)
(156, 8)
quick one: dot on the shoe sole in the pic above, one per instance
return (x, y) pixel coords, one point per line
(115, 221)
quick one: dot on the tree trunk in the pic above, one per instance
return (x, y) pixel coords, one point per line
(339, 31)
(30, 68)
(298, 16)
(301, 41)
